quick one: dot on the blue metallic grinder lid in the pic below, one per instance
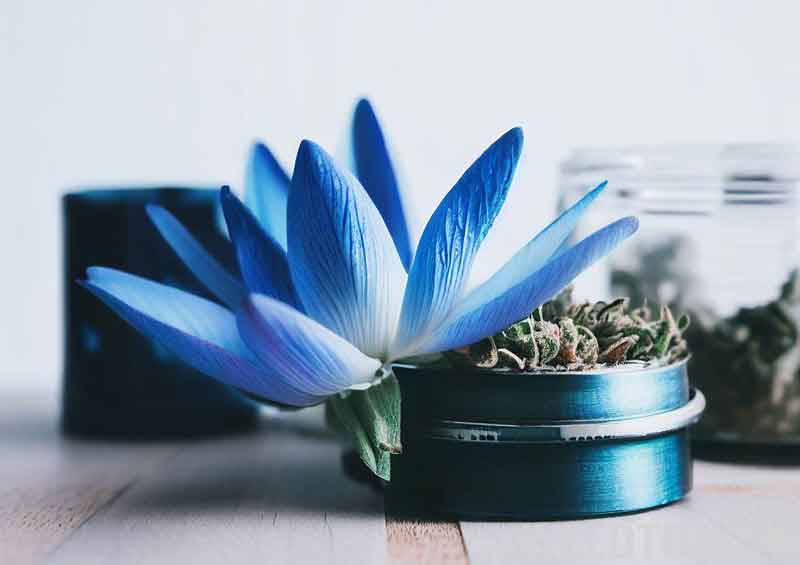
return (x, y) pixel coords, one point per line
(604, 393)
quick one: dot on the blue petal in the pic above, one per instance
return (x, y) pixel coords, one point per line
(520, 300)
(546, 245)
(199, 332)
(343, 263)
(262, 261)
(306, 354)
(451, 239)
(374, 169)
(207, 270)
(267, 191)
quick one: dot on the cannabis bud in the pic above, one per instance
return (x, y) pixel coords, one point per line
(567, 336)
(750, 365)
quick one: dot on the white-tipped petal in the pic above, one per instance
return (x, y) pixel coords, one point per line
(342, 259)
(305, 353)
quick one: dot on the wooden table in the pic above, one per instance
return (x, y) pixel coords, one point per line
(279, 496)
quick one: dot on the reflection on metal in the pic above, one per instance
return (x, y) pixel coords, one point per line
(509, 446)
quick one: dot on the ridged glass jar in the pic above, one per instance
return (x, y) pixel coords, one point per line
(719, 239)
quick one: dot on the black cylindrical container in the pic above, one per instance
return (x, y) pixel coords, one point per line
(117, 382)
(545, 445)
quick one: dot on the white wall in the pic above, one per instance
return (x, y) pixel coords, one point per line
(151, 91)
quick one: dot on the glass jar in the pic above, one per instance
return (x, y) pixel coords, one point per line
(718, 239)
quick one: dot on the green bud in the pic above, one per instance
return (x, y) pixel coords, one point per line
(548, 340)
(561, 334)
(641, 349)
(588, 349)
(613, 311)
(569, 342)
(519, 331)
(615, 353)
(533, 358)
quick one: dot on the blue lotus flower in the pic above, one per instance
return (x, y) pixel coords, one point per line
(331, 289)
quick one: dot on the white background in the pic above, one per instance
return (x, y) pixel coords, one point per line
(152, 92)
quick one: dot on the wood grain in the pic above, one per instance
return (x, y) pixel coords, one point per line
(33, 523)
(49, 486)
(424, 543)
(735, 514)
(752, 504)
(276, 497)
(279, 496)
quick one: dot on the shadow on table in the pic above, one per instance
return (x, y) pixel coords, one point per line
(291, 464)
(747, 453)
(282, 469)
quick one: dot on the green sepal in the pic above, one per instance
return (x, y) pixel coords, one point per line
(378, 408)
(346, 417)
(372, 416)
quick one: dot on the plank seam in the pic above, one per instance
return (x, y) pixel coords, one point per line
(105, 506)
(102, 508)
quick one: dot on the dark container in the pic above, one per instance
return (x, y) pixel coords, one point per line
(543, 446)
(117, 382)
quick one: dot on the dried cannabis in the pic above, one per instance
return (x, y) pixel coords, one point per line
(561, 335)
(747, 364)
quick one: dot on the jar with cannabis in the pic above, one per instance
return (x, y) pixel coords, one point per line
(718, 239)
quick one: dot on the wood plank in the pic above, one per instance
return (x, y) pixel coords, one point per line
(280, 497)
(755, 504)
(277, 497)
(735, 514)
(668, 535)
(49, 486)
(417, 542)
